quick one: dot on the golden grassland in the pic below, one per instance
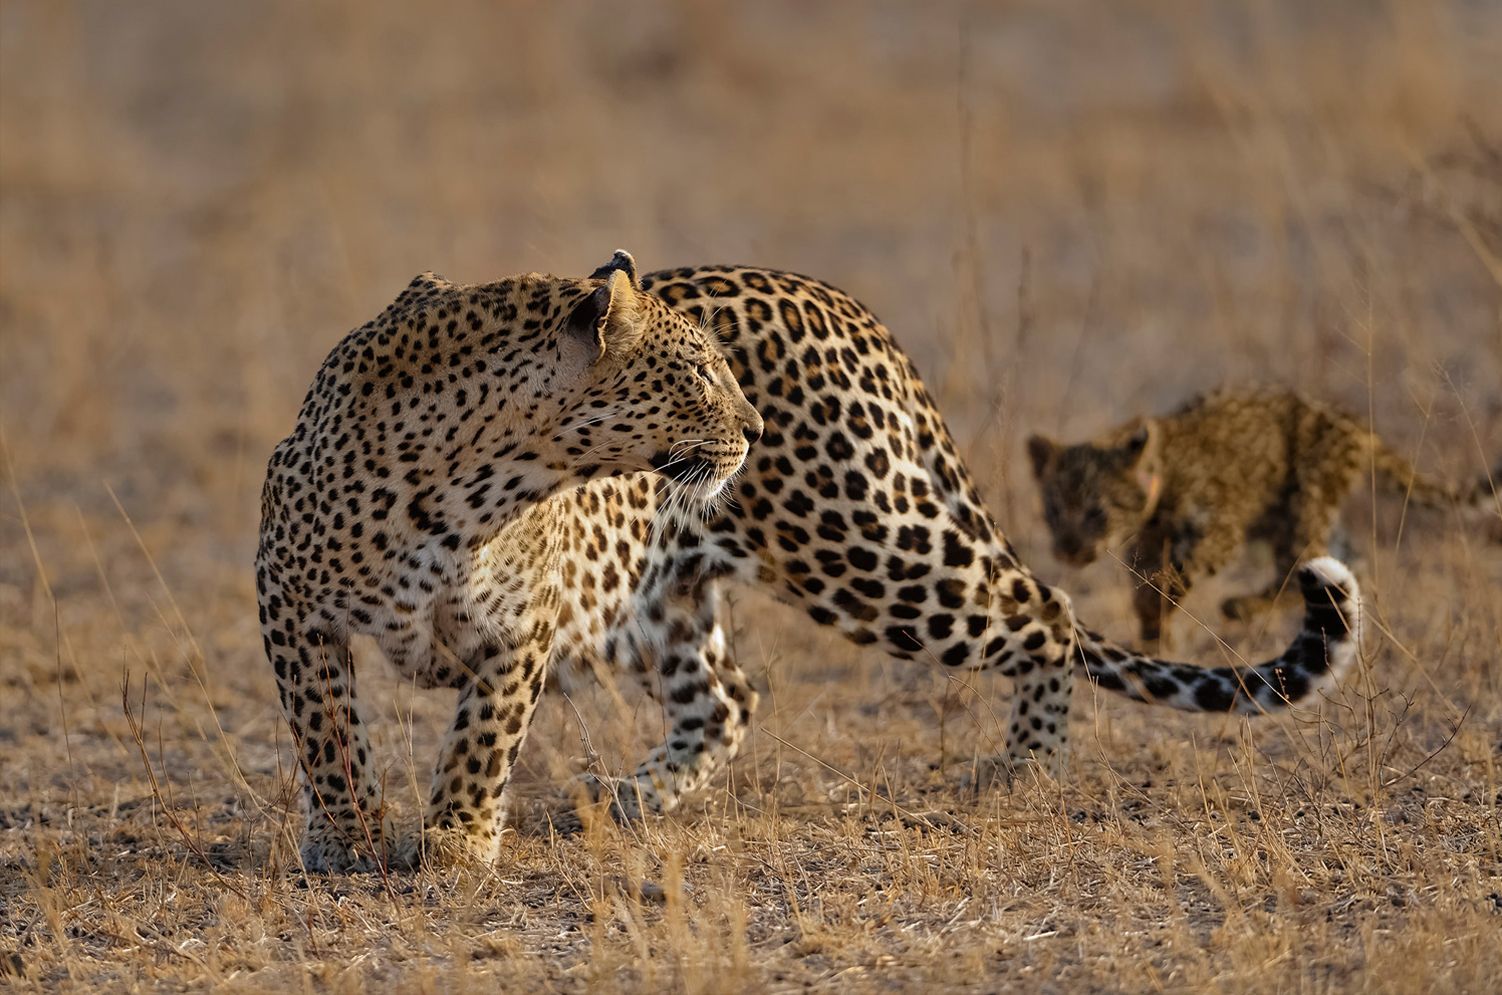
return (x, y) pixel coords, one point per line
(1068, 213)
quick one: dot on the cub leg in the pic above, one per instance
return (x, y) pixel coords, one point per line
(1162, 582)
(1312, 530)
(1246, 607)
(1156, 596)
(1171, 561)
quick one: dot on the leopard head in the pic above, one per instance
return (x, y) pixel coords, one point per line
(650, 388)
(539, 382)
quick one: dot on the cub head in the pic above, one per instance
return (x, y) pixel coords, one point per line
(1096, 494)
(646, 388)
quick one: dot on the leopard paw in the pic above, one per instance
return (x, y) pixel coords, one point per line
(446, 847)
(327, 851)
(1009, 773)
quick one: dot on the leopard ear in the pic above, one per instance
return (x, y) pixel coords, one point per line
(423, 285)
(1040, 450)
(608, 317)
(623, 262)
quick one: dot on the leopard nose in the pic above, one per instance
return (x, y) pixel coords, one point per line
(752, 430)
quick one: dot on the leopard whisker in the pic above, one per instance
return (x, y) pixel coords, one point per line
(681, 494)
(683, 458)
(586, 423)
(663, 510)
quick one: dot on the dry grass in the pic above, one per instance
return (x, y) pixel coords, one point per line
(1068, 213)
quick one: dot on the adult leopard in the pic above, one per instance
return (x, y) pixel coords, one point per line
(857, 508)
(424, 436)
(854, 506)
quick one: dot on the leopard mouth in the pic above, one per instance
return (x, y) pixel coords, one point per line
(700, 467)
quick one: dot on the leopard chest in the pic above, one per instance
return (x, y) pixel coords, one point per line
(434, 644)
(507, 594)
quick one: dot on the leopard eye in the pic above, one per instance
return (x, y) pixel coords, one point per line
(703, 370)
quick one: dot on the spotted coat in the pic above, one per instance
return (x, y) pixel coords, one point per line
(855, 507)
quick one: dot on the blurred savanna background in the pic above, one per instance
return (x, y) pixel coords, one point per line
(1068, 212)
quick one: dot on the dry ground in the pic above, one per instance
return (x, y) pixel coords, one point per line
(1067, 212)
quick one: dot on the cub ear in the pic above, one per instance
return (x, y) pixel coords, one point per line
(1141, 443)
(608, 316)
(623, 262)
(1040, 451)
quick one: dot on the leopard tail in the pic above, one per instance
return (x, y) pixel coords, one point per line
(1322, 652)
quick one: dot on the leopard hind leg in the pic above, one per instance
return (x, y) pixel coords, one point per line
(1036, 655)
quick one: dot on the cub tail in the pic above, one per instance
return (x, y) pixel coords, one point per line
(1400, 476)
(1317, 659)
(1486, 493)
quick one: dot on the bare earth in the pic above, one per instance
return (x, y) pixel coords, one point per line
(1068, 213)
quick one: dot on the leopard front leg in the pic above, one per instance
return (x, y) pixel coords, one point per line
(466, 808)
(707, 703)
(315, 677)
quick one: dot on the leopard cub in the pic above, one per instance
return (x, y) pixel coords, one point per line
(1186, 490)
